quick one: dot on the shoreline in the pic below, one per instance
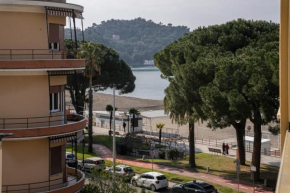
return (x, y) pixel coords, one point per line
(125, 102)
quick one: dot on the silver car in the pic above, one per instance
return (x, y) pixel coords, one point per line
(94, 163)
(122, 170)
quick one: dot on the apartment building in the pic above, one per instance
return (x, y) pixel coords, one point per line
(33, 75)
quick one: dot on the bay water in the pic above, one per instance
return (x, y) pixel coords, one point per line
(149, 84)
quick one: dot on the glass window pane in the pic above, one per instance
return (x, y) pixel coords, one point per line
(50, 98)
(56, 101)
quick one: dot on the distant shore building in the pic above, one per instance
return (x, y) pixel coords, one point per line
(103, 121)
(149, 62)
(33, 75)
(116, 37)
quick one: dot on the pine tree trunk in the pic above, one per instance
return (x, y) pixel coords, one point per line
(111, 116)
(191, 146)
(91, 116)
(256, 156)
(160, 133)
(133, 123)
(240, 134)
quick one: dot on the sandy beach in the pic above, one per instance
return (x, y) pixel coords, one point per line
(123, 103)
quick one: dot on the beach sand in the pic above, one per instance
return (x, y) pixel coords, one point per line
(123, 103)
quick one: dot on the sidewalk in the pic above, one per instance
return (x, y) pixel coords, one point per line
(106, 153)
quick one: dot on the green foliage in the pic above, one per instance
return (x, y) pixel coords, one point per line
(104, 183)
(274, 130)
(161, 154)
(224, 73)
(173, 154)
(139, 39)
(160, 125)
(113, 71)
(134, 111)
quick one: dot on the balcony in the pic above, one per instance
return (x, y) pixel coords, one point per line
(42, 126)
(74, 183)
(37, 59)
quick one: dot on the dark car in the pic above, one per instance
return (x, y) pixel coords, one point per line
(195, 186)
(71, 159)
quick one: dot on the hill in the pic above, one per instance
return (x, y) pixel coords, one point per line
(135, 40)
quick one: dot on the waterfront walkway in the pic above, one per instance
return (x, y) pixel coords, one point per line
(269, 160)
(106, 153)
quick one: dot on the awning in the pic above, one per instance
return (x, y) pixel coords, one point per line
(68, 137)
(61, 138)
(63, 12)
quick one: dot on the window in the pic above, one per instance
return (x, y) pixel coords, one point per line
(54, 46)
(161, 178)
(128, 169)
(57, 99)
(150, 177)
(55, 102)
(55, 160)
(143, 176)
(118, 169)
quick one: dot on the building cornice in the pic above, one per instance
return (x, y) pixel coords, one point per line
(77, 8)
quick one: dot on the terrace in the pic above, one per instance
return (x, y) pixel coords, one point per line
(73, 183)
(42, 126)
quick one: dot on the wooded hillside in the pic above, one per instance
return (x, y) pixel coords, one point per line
(135, 40)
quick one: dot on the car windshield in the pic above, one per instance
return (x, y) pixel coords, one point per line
(128, 169)
(209, 188)
(70, 156)
(100, 162)
(161, 177)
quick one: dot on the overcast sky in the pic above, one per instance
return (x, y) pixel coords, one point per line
(191, 13)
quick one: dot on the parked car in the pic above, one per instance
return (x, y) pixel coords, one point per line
(92, 163)
(121, 170)
(152, 180)
(195, 186)
(71, 159)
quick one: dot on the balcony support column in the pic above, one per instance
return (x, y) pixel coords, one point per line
(76, 153)
(75, 29)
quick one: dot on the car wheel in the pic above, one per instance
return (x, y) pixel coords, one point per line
(134, 183)
(152, 187)
(79, 167)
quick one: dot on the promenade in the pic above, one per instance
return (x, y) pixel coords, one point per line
(269, 160)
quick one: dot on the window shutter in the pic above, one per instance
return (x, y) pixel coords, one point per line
(54, 33)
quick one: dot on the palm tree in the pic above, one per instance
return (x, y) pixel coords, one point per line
(93, 58)
(160, 127)
(135, 113)
(110, 109)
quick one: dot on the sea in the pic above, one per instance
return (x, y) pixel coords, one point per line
(149, 84)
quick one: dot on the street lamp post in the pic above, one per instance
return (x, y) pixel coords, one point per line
(114, 133)
(2, 135)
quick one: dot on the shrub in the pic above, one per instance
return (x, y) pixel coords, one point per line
(122, 149)
(172, 154)
(104, 183)
(161, 154)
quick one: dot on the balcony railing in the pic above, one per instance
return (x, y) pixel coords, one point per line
(31, 54)
(34, 122)
(51, 186)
